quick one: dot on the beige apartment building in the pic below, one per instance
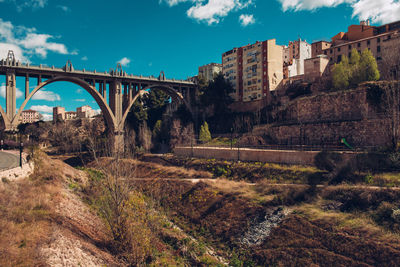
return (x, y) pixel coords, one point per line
(360, 37)
(208, 71)
(30, 116)
(254, 70)
(85, 112)
(70, 115)
(58, 114)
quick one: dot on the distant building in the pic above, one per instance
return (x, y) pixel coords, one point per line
(359, 37)
(58, 114)
(208, 71)
(315, 67)
(293, 58)
(85, 112)
(254, 71)
(70, 115)
(30, 116)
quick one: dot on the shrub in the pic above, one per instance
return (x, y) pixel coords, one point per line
(327, 160)
(205, 135)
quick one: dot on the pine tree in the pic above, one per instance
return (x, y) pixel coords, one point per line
(205, 134)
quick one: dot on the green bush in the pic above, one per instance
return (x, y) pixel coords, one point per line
(205, 135)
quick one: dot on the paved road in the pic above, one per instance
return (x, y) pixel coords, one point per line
(8, 160)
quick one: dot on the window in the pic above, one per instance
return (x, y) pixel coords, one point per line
(325, 52)
(378, 48)
(368, 42)
(359, 45)
(349, 46)
(339, 58)
(338, 49)
(331, 51)
(378, 40)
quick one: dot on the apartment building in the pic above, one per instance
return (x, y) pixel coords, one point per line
(254, 70)
(360, 37)
(294, 55)
(70, 115)
(208, 71)
(58, 114)
(85, 112)
(81, 112)
(30, 116)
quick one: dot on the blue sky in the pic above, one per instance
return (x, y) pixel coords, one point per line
(175, 36)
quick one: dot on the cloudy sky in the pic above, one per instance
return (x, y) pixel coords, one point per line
(147, 36)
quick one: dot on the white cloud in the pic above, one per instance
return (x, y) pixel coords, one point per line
(22, 4)
(80, 100)
(124, 61)
(64, 8)
(211, 11)
(47, 117)
(3, 91)
(26, 42)
(175, 2)
(46, 95)
(383, 11)
(246, 20)
(79, 91)
(84, 58)
(42, 108)
(380, 11)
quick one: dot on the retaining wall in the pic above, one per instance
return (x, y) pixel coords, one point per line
(18, 172)
(259, 155)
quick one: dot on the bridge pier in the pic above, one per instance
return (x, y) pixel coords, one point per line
(11, 91)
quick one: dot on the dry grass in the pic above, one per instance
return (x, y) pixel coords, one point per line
(26, 210)
(358, 221)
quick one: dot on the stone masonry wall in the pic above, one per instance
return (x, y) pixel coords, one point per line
(328, 117)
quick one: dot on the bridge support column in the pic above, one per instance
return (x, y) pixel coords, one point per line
(115, 99)
(11, 91)
(119, 142)
(26, 86)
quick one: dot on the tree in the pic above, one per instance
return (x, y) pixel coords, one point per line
(217, 95)
(205, 134)
(356, 70)
(341, 74)
(368, 66)
(354, 62)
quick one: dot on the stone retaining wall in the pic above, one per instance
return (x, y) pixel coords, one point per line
(18, 172)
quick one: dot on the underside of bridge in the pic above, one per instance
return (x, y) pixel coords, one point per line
(123, 91)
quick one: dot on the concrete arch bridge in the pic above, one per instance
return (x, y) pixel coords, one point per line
(123, 90)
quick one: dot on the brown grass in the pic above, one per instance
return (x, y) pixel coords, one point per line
(26, 210)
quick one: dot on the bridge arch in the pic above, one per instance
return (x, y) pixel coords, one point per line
(166, 89)
(107, 113)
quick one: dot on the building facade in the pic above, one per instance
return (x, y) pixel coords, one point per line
(254, 70)
(359, 37)
(30, 116)
(293, 58)
(70, 115)
(208, 71)
(85, 112)
(58, 114)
